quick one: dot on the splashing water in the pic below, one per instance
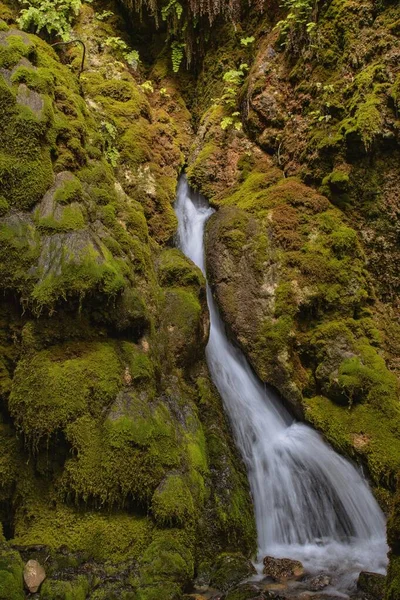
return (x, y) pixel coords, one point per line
(310, 503)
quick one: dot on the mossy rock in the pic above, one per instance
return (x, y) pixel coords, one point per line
(76, 589)
(167, 565)
(11, 574)
(229, 570)
(172, 503)
(174, 269)
(95, 535)
(185, 325)
(68, 379)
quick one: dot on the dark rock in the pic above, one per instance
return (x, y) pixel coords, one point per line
(231, 569)
(282, 568)
(372, 584)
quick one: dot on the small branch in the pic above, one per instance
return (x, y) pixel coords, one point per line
(83, 55)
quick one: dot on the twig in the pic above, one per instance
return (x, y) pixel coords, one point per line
(83, 55)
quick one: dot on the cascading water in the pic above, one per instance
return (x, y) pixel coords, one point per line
(310, 503)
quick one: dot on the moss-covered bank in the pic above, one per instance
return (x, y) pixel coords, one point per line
(116, 461)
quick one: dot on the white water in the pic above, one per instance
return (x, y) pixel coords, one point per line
(310, 503)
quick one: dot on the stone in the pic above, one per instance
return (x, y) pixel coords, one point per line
(34, 575)
(280, 569)
(319, 582)
(372, 584)
(229, 570)
(30, 99)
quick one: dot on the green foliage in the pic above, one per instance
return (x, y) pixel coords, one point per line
(104, 15)
(147, 87)
(298, 18)
(173, 8)
(55, 16)
(122, 49)
(111, 151)
(233, 80)
(177, 52)
(247, 41)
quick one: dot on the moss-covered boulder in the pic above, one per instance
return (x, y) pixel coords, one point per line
(11, 570)
(229, 570)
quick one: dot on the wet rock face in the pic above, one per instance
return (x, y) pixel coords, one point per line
(281, 569)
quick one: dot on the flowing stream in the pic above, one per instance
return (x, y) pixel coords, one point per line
(310, 503)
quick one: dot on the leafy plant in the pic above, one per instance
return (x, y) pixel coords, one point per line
(297, 19)
(122, 49)
(53, 16)
(147, 87)
(177, 50)
(247, 41)
(173, 8)
(164, 93)
(110, 135)
(233, 81)
(104, 15)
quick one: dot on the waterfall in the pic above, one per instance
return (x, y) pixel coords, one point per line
(310, 503)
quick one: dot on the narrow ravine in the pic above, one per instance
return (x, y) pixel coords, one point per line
(310, 503)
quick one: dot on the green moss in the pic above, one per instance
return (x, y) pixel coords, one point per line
(128, 455)
(10, 454)
(77, 589)
(166, 566)
(100, 536)
(230, 523)
(56, 386)
(199, 172)
(18, 251)
(41, 80)
(174, 269)
(229, 570)
(364, 430)
(79, 276)
(172, 503)
(4, 206)
(71, 219)
(71, 191)
(11, 569)
(335, 186)
(183, 325)
(17, 45)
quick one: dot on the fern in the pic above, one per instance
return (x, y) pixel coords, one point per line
(122, 49)
(177, 49)
(247, 41)
(147, 87)
(53, 16)
(173, 8)
(297, 19)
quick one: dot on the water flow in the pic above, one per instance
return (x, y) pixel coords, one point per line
(310, 503)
